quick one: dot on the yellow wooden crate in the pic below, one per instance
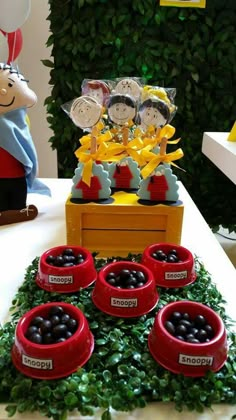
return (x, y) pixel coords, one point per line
(122, 226)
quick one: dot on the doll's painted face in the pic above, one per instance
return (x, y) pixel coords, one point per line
(129, 87)
(14, 90)
(121, 109)
(85, 112)
(154, 113)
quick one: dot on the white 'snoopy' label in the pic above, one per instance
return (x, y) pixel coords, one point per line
(185, 359)
(60, 279)
(124, 303)
(176, 275)
(43, 364)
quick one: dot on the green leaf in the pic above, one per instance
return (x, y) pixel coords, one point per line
(48, 63)
(114, 359)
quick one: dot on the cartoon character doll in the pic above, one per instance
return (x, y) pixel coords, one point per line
(18, 158)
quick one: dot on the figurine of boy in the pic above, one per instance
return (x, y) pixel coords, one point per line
(18, 158)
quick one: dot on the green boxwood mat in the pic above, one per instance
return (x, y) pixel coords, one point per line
(121, 374)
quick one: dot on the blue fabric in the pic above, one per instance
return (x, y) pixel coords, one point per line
(16, 139)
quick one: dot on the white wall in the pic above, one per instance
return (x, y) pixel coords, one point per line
(35, 33)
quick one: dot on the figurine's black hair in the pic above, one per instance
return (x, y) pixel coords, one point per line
(118, 98)
(161, 106)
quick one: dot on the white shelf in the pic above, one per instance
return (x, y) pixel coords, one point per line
(221, 152)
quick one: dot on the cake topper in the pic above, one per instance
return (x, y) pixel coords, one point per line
(97, 89)
(121, 109)
(153, 112)
(85, 112)
(128, 86)
(18, 158)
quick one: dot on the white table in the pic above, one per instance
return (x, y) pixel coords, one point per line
(221, 152)
(21, 243)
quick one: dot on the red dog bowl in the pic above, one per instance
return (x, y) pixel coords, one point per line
(57, 360)
(122, 299)
(166, 273)
(185, 357)
(66, 279)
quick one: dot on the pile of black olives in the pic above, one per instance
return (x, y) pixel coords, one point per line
(56, 328)
(195, 330)
(171, 256)
(127, 279)
(66, 259)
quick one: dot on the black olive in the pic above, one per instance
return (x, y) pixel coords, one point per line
(68, 264)
(187, 324)
(161, 256)
(199, 321)
(189, 337)
(176, 317)
(141, 276)
(50, 259)
(154, 255)
(59, 261)
(130, 286)
(65, 318)
(193, 331)
(180, 337)
(36, 338)
(67, 251)
(186, 316)
(37, 321)
(209, 330)
(80, 257)
(48, 338)
(112, 281)
(72, 325)
(31, 330)
(170, 327)
(193, 340)
(80, 260)
(172, 258)
(173, 251)
(181, 330)
(131, 281)
(45, 326)
(124, 274)
(55, 320)
(70, 258)
(59, 330)
(60, 340)
(69, 334)
(56, 310)
(110, 276)
(201, 335)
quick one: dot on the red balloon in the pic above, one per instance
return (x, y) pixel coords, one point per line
(15, 42)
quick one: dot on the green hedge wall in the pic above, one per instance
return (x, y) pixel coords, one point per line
(188, 48)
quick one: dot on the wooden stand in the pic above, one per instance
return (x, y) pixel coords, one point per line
(122, 226)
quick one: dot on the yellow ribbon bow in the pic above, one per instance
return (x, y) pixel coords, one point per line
(88, 159)
(154, 160)
(117, 151)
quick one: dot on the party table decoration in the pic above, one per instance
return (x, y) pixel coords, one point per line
(121, 373)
